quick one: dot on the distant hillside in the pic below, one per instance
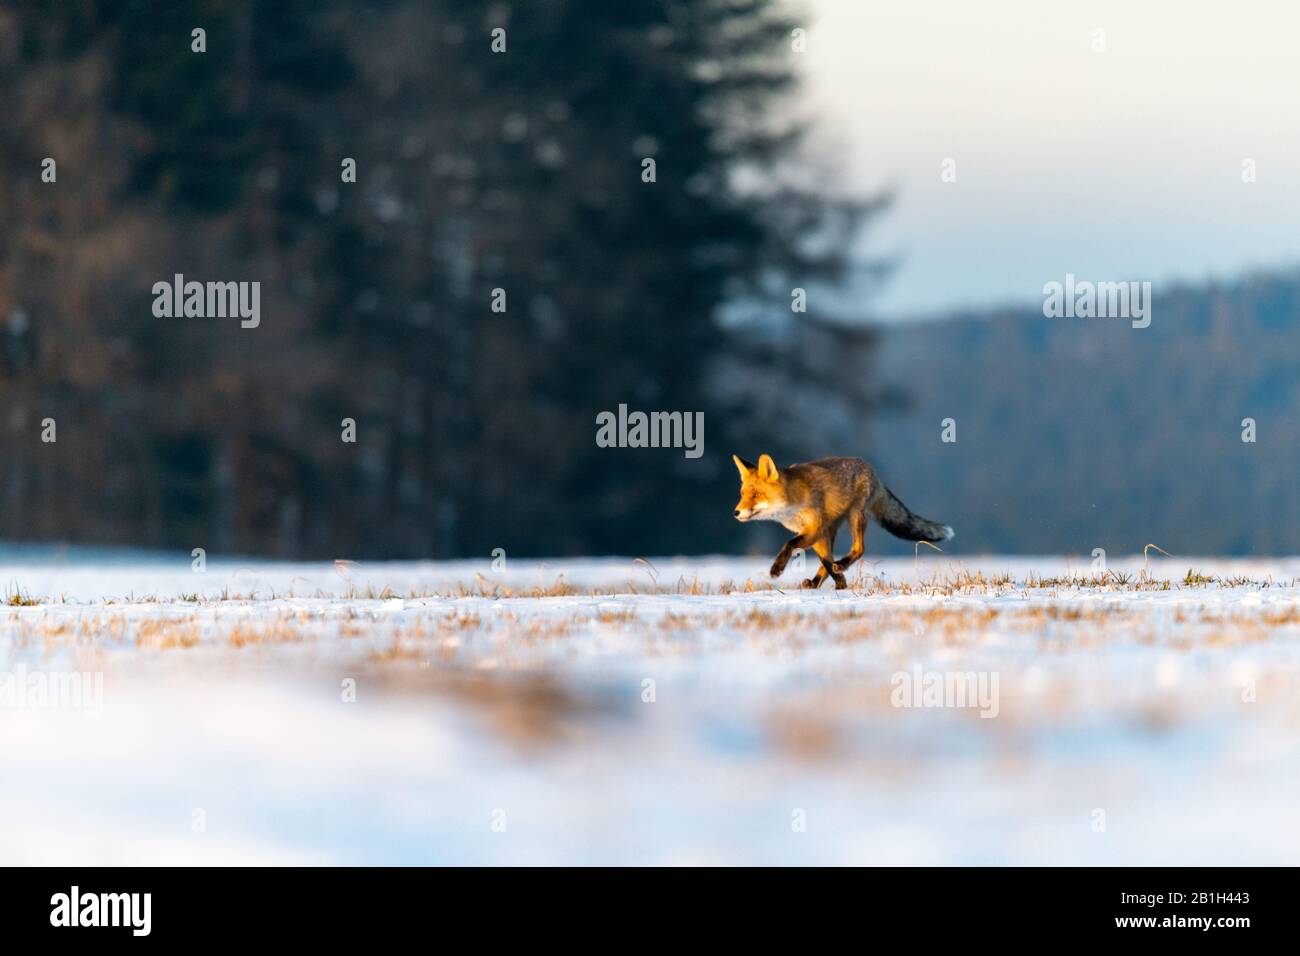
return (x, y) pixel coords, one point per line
(1074, 434)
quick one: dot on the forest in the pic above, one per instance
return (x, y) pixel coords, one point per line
(471, 228)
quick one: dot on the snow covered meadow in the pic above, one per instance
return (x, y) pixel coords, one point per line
(982, 711)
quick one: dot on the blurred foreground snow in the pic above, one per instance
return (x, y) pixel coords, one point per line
(662, 722)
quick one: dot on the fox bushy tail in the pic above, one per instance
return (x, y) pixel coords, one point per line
(895, 518)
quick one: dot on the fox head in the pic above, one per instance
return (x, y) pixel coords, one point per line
(762, 493)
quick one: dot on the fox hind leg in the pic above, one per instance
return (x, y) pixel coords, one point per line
(823, 548)
(858, 528)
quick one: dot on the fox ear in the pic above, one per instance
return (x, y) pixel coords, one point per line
(744, 467)
(766, 468)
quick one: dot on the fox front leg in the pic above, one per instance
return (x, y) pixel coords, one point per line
(783, 557)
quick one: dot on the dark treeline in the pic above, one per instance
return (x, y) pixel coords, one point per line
(477, 171)
(1075, 434)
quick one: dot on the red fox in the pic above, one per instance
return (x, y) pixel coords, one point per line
(814, 499)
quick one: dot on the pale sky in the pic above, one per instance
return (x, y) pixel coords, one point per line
(1125, 164)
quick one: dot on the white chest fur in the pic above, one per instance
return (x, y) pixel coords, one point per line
(787, 516)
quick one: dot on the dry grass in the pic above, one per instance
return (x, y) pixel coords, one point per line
(528, 709)
(274, 632)
(962, 581)
(1052, 616)
(17, 597)
(163, 634)
(424, 634)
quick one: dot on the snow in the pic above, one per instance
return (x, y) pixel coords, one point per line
(648, 712)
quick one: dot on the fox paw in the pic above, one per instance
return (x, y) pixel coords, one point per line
(840, 583)
(810, 584)
(777, 569)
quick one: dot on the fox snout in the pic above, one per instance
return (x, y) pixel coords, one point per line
(752, 511)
